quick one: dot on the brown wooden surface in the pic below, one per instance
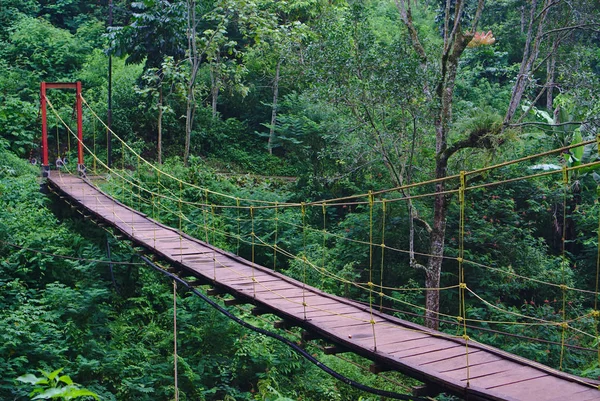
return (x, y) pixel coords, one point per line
(432, 357)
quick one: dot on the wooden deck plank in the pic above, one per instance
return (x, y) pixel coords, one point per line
(389, 340)
(343, 310)
(334, 318)
(511, 376)
(543, 388)
(433, 355)
(231, 276)
(584, 395)
(479, 370)
(419, 344)
(460, 362)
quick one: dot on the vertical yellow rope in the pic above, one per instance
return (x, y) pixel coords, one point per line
(94, 147)
(370, 242)
(237, 249)
(175, 340)
(381, 293)
(153, 218)
(461, 271)
(158, 193)
(69, 144)
(132, 193)
(123, 196)
(276, 236)
(564, 325)
(205, 214)
(323, 269)
(371, 285)
(153, 205)
(123, 156)
(132, 203)
(303, 209)
(252, 234)
(57, 138)
(140, 184)
(180, 224)
(205, 217)
(214, 222)
(596, 313)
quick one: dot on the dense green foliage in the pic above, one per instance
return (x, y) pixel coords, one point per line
(296, 101)
(113, 331)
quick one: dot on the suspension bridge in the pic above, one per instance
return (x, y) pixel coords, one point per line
(455, 364)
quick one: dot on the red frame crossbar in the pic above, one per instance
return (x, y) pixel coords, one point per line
(61, 85)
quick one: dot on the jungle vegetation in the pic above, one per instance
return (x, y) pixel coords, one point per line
(298, 100)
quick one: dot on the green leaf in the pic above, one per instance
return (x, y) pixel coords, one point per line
(74, 392)
(54, 392)
(31, 379)
(578, 151)
(53, 375)
(66, 379)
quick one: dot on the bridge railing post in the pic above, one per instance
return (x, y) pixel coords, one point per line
(80, 164)
(45, 165)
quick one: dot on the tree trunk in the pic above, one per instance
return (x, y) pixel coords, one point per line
(194, 60)
(215, 82)
(160, 116)
(455, 42)
(551, 68)
(436, 250)
(445, 92)
(189, 116)
(274, 107)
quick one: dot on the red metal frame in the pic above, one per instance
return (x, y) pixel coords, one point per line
(61, 85)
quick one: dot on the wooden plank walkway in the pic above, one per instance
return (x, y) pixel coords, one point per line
(437, 359)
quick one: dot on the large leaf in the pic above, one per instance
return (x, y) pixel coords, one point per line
(67, 392)
(32, 379)
(54, 374)
(66, 379)
(74, 392)
(577, 152)
(54, 392)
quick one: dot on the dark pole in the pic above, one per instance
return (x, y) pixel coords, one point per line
(109, 111)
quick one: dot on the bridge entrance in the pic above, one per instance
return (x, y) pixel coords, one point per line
(44, 86)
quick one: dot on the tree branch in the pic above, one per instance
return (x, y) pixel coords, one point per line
(530, 54)
(480, 138)
(384, 153)
(547, 7)
(406, 16)
(569, 28)
(459, 9)
(547, 124)
(478, 13)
